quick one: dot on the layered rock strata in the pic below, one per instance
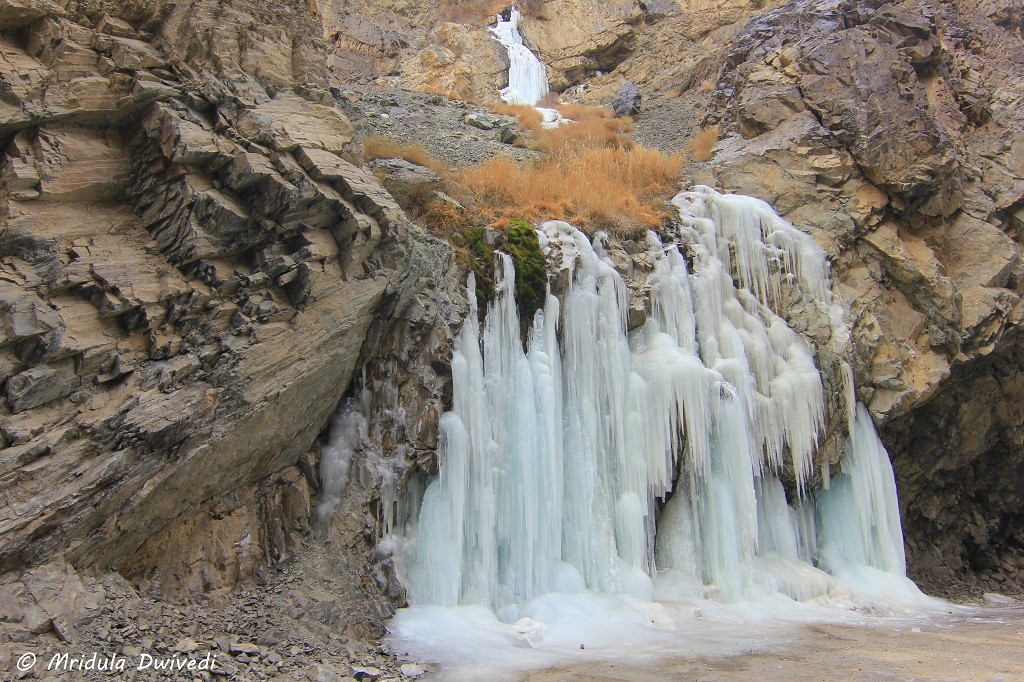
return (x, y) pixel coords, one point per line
(192, 262)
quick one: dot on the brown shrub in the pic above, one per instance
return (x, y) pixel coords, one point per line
(434, 90)
(592, 176)
(591, 126)
(589, 133)
(621, 190)
(583, 112)
(702, 145)
(442, 217)
(378, 147)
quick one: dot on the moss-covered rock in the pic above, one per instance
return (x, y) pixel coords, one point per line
(474, 253)
(531, 267)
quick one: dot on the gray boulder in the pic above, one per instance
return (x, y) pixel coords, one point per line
(627, 100)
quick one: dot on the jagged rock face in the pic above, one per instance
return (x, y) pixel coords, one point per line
(443, 47)
(890, 130)
(960, 463)
(191, 263)
(916, 209)
(447, 47)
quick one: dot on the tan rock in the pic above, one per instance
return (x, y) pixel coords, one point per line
(977, 253)
(289, 122)
(16, 13)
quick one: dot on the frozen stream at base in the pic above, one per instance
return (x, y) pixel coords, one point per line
(545, 535)
(471, 643)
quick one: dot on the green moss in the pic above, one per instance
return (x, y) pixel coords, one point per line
(521, 243)
(531, 267)
(474, 253)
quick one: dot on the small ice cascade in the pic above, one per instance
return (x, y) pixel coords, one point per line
(348, 429)
(651, 462)
(527, 77)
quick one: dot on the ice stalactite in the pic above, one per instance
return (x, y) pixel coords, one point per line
(859, 515)
(348, 428)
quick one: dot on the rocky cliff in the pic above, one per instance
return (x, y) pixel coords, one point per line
(193, 262)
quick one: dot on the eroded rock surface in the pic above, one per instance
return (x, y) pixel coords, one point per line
(191, 259)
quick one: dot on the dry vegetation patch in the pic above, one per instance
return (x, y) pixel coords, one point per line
(378, 147)
(591, 126)
(703, 144)
(591, 175)
(616, 189)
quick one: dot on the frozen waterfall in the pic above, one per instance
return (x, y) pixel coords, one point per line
(650, 463)
(527, 77)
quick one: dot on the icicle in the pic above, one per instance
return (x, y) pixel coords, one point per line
(348, 426)
(747, 236)
(859, 517)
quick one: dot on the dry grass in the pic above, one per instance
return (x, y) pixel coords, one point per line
(702, 146)
(583, 112)
(617, 189)
(591, 175)
(595, 133)
(529, 118)
(591, 127)
(377, 147)
(434, 90)
(443, 217)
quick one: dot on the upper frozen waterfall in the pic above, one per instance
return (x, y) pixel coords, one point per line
(527, 77)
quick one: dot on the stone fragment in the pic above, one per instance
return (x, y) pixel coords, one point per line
(186, 645)
(116, 27)
(60, 593)
(627, 100)
(412, 670)
(40, 385)
(244, 648)
(36, 620)
(130, 54)
(366, 674)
